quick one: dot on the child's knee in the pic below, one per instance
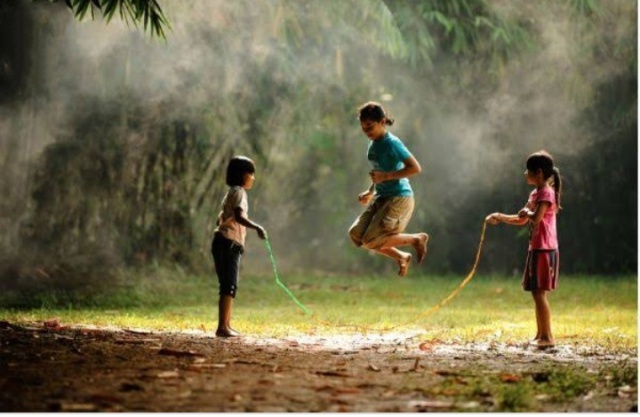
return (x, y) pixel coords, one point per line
(373, 241)
(356, 236)
(229, 290)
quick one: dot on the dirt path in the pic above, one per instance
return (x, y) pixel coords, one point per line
(53, 368)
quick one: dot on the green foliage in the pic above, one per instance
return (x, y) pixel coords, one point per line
(619, 376)
(462, 28)
(515, 397)
(137, 168)
(147, 12)
(562, 383)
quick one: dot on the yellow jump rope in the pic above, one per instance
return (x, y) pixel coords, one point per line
(422, 315)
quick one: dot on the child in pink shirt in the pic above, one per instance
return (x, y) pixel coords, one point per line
(543, 259)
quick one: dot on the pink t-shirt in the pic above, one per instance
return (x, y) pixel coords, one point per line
(543, 235)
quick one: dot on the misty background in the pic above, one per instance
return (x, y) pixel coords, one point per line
(114, 145)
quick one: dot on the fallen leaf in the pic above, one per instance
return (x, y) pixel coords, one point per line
(374, 368)
(509, 378)
(129, 386)
(332, 373)
(446, 373)
(426, 405)
(426, 346)
(626, 391)
(136, 341)
(347, 390)
(74, 407)
(51, 324)
(266, 382)
(181, 353)
(133, 331)
(168, 374)
(197, 367)
(461, 381)
(467, 405)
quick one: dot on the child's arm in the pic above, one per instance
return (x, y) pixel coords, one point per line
(512, 219)
(365, 197)
(535, 216)
(241, 218)
(411, 168)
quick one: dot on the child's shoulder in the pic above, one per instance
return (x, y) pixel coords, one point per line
(546, 193)
(235, 191)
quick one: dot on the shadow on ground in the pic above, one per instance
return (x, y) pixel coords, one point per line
(64, 368)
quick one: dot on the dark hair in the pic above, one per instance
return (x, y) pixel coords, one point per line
(544, 161)
(238, 166)
(375, 112)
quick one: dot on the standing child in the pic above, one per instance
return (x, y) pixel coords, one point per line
(227, 246)
(381, 226)
(543, 259)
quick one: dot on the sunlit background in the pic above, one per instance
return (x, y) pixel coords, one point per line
(114, 143)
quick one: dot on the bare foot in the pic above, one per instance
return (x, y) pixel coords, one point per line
(421, 246)
(544, 344)
(227, 333)
(404, 265)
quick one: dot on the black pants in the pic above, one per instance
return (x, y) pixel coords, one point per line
(226, 257)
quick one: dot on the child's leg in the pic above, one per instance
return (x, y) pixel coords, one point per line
(402, 258)
(544, 312)
(538, 323)
(417, 240)
(226, 256)
(225, 305)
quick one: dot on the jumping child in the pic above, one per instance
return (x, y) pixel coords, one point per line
(380, 227)
(543, 258)
(227, 246)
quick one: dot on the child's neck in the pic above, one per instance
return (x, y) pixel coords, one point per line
(381, 136)
(542, 184)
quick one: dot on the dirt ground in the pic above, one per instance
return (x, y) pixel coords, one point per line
(48, 367)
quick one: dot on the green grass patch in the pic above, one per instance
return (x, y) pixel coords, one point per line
(589, 310)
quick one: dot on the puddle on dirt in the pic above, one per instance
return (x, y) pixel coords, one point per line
(409, 343)
(413, 343)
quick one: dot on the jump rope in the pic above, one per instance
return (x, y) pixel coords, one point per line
(422, 315)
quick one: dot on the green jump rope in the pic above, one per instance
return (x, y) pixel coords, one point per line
(280, 283)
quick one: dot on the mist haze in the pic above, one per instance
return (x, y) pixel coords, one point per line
(114, 145)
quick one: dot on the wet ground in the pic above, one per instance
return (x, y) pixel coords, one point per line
(49, 367)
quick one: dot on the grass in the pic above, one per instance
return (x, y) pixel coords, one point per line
(591, 310)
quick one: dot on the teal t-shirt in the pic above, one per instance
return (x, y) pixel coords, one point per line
(387, 154)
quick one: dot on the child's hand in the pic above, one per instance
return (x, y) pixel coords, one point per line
(493, 218)
(378, 176)
(262, 234)
(365, 198)
(524, 213)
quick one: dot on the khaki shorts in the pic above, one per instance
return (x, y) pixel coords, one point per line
(384, 217)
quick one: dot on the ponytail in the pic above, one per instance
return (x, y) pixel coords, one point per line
(557, 186)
